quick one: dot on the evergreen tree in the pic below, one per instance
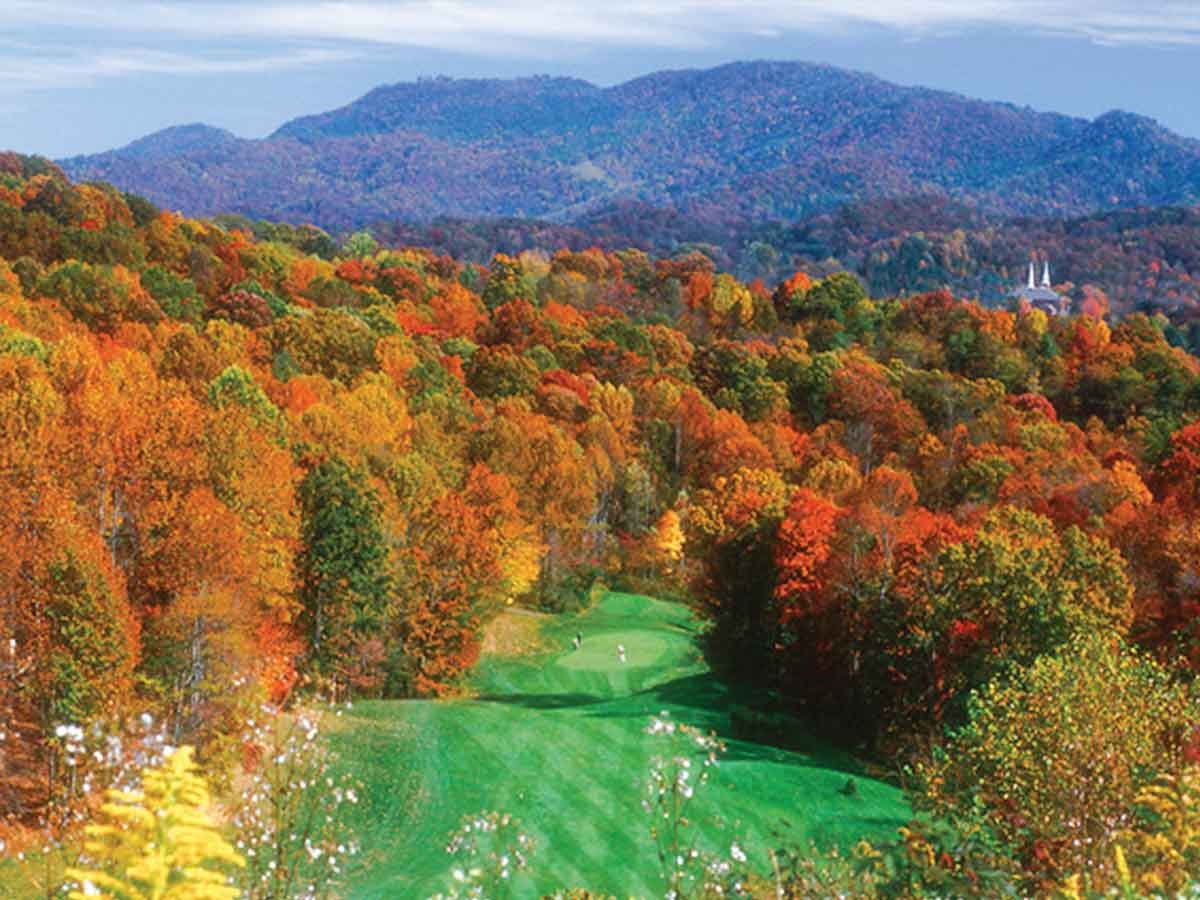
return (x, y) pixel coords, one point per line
(342, 565)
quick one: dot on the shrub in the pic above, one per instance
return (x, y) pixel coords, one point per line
(1164, 844)
(157, 843)
(489, 849)
(290, 811)
(1057, 756)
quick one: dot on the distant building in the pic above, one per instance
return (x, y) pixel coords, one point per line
(1041, 296)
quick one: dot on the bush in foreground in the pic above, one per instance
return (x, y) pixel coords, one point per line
(1056, 758)
(157, 843)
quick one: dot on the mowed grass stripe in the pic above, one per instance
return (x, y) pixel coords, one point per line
(381, 827)
(592, 790)
(556, 793)
(556, 739)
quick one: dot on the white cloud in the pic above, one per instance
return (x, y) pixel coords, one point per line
(65, 69)
(312, 32)
(486, 26)
(505, 26)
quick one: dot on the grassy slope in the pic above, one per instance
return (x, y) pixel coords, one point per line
(556, 739)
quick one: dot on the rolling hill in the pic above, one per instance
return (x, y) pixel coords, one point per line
(756, 141)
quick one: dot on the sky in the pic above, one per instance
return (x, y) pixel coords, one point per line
(81, 76)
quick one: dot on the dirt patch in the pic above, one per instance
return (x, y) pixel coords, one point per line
(515, 632)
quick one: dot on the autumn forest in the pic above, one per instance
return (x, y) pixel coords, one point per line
(248, 467)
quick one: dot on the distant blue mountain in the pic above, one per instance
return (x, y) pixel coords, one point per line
(752, 141)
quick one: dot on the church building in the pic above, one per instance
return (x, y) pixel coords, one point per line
(1041, 296)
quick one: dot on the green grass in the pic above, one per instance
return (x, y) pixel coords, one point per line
(556, 740)
(27, 880)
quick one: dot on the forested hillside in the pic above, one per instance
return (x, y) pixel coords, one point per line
(1123, 260)
(1126, 260)
(238, 469)
(745, 142)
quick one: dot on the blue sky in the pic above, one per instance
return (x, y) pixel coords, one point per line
(80, 76)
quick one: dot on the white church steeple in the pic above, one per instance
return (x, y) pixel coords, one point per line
(1039, 293)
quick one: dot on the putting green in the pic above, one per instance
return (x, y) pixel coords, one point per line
(602, 653)
(557, 740)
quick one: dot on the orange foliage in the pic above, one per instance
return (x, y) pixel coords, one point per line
(457, 312)
(803, 550)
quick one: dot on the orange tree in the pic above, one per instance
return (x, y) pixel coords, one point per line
(731, 528)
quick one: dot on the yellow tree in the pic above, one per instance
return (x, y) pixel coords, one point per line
(666, 543)
(555, 485)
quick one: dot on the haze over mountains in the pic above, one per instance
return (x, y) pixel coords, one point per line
(742, 142)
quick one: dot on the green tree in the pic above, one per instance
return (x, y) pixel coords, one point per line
(100, 296)
(361, 244)
(330, 342)
(176, 296)
(496, 372)
(1057, 756)
(92, 650)
(342, 566)
(1019, 589)
(830, 298)
(505, 281)
(236, 387)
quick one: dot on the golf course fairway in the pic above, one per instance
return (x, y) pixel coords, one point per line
(556, 739)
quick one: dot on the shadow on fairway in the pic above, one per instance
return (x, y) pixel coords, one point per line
(816, 757)
(704, 701)
(543, 701)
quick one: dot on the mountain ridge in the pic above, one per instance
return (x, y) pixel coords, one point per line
(744, 141)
